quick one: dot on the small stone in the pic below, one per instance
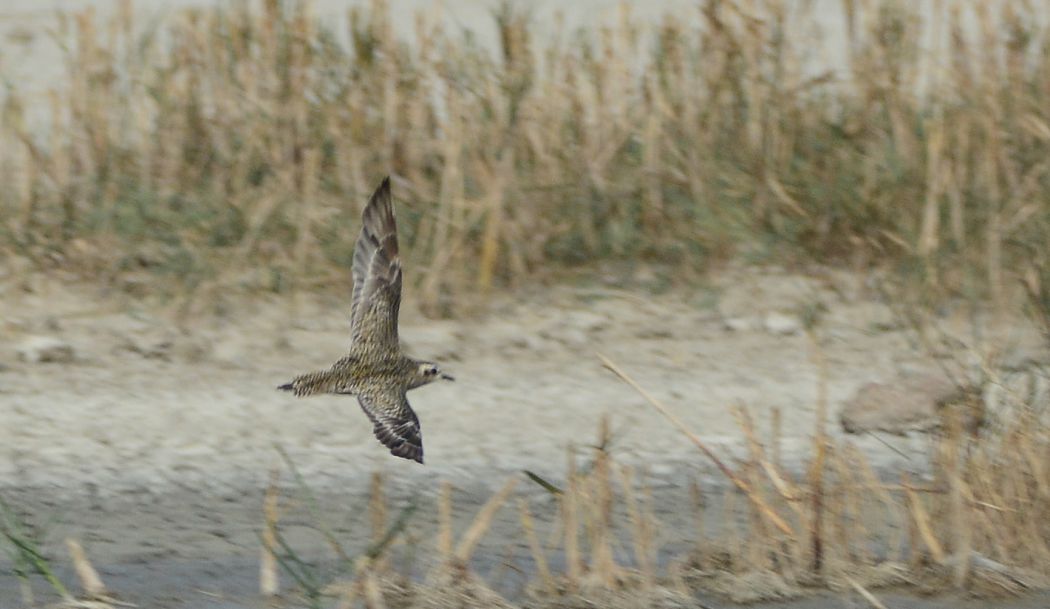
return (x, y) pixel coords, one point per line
(572, 337)
(230, 352)
(907, 404)
(530, 342)
(654, 333)
(45, 349)
(738, 324)
(586, 321)
(662, 470)
(779, 323)
(158, 349)
(135, 286)
(192, 350)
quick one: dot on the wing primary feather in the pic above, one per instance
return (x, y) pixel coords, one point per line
(376, 273)
(394, 423)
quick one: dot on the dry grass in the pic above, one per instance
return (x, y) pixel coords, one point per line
(234, 146)
(978, 525)
(979, 522)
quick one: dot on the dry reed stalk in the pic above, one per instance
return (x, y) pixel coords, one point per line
(982, 485)
(868, 596)
(867, 501)
(959, 518)
(372, 593)
(784, 487)
(734, 544)
(820, 445)
(348, 597)
(857, 499)
(569, 499)
(837, 526)
(758, 455)
(651, 527)
(534, 546)
(759, 502)
(653, 212)
(173, 130)
(911, 554)
(1010, 490)
(449, 201)
(269, 583)
(377, 516)
(758, 533)
(641, 529)
(90, 582)
(602, 564)
(498, 180)
(307, 203)
(895, 512)
(445, 539)
(482, 522)
(930, 229)
(776, 432)
(922, 522)
(696, 499)
(26, 167)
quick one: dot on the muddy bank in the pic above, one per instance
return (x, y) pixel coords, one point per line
(154, 442)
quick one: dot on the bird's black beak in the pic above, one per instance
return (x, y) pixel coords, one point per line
(447, 377)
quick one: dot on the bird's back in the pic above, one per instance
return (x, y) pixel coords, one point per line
(384, 369)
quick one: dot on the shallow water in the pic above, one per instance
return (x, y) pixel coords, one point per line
(183, 549)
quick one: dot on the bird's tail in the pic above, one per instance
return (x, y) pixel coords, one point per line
(312, 384)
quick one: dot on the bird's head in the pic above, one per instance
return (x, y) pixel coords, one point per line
(428, 372)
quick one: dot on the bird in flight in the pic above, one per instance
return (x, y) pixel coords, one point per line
(376, 370)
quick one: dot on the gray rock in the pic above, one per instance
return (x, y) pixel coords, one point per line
(907, 404)
(45, 349)
(779, 323)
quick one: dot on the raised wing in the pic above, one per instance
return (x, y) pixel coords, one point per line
(395, 425)
(377, 277)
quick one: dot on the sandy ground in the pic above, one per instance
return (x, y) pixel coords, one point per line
(155, 444)
(153, 405)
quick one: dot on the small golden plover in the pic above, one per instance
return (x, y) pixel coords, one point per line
(376, 370)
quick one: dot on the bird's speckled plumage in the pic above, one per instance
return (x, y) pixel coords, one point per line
(376, 370)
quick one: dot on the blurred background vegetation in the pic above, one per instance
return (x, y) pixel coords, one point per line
(234, 147)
